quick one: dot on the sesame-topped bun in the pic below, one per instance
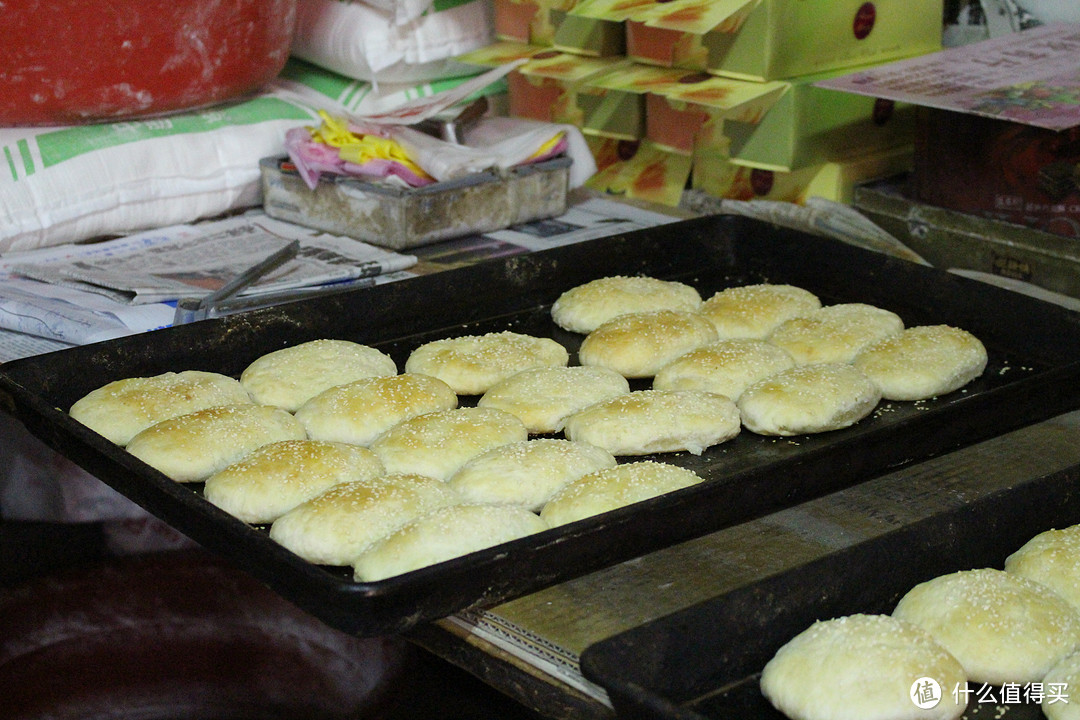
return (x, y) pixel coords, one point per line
(542, 397)
(637, 345)
(835, 333)
(527, 473)
(291, 376)
(123, 408)
(1062, 683)
(442, 534)
(615, 487)
(333, 528)
(753, 311)
(436, 444)
(191, 447)
(808, 399)
(922, 362)
(862, 667)
(275, 478)
(726, 368)
(586, 307)
(655, 421)
(360, 411)
(471, 364)
(1051, 558)
(1003, 628)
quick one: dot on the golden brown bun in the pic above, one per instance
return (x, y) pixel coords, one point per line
(123, 408)
(437, 444)
(471, 364)
(654, 421)
(753, 311)
(835, 333)
(862, 667)
(442, 534)
(586, 307)
(527, 473)
(726, 368)
(275, 478)
(360, 411)
(611, 488)
(542, 397)
(923, 362)
(808, 399)
(191, 447)
(334, 527)
(291, 376)
(637, 345)
(1001, 627)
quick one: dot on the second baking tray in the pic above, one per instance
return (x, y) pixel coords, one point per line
(705, 662)
(1033, 374)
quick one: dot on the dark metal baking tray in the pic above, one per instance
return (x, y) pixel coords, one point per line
(1033, 374)
(705, 662)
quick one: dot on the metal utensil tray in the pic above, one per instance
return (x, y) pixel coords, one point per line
(705, 662)
(1033, 374)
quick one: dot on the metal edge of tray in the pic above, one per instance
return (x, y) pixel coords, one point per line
(36, 389)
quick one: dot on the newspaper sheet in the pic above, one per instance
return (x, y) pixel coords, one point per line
(40, 317)
(195, 260)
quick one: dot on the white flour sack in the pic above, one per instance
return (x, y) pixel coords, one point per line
(366, 41)
(68, 184)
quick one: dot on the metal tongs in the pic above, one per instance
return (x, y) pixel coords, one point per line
(192, 309)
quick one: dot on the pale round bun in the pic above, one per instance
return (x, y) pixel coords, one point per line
(471, 364)
(615, 487)
(726, 368)
(1051, 558)
(862, 667)
(656, 421)
(753, 311)
(123, 408)
(808, 399)
(192, 447)
(639, 344)
(923, 361)
(442, 534)
(542, 397)
(437, 444)
(586, 307)
(334, 527)
(1061, 688)
(527, 473)
(835, 333)
(291, 376)
(275, 478)
(360, 411)
(1001, 627)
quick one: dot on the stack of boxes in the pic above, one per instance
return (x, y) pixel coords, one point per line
(717, 95)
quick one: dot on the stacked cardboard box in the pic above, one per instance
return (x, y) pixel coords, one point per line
(718, 95)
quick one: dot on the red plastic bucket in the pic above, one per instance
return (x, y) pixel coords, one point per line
(65, 63)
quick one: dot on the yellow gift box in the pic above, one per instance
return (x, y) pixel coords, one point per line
(714, 173)
(809, 125)
(551, 85)
(772, 39)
